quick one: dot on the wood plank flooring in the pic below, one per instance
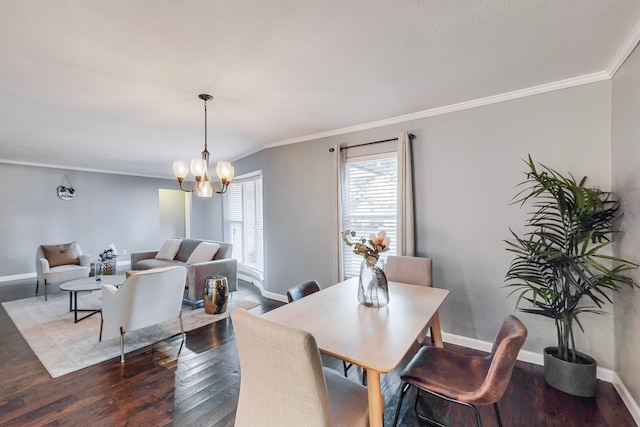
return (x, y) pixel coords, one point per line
(199, 386)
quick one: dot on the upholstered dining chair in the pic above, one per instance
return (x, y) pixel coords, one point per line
(144, 299)
(411, 270)
(283, 383)
(302, 290)
(465, 379)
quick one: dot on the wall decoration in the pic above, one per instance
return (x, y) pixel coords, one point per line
(66, 192)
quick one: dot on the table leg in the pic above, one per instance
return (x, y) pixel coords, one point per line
(75, 312)
(70, 301)
(376, 400)
(436, 331)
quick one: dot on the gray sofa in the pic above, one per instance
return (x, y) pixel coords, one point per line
(221, 265)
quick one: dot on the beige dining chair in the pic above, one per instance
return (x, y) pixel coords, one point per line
(465, 379)
(410, 270)
(283, 383)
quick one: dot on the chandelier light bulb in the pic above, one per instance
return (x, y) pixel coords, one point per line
(205, 189)
(198, 166)
(180, 169)
(225, 172)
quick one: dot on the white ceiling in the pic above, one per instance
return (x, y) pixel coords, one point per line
(113, 85)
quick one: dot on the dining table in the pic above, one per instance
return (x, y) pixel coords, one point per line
(375, 338)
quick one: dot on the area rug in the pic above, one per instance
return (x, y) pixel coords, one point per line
(63, 346)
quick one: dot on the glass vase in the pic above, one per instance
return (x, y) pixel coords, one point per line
(97, 270)
(373, 289)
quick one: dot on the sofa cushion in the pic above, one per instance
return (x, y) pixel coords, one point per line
(146, 264)
(186, 247)
(65, 254)
(204, 252)
(169, 249)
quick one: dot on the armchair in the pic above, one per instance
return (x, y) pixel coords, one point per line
(60, 263)
(144, 299)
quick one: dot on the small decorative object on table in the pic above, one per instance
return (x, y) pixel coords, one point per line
(108, 259)
(373, 289)
(97, 270)
(216, 294)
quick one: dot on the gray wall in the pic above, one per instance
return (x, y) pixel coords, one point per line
(466, 167)
(626, 181)
(107, 208)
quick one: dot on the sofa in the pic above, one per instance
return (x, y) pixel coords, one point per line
(201, 261)
(60, 263)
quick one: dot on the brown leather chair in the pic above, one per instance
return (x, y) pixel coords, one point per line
(464, 379)
(304, 289)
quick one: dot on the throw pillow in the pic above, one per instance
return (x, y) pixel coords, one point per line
(65, 254)
(204, 252)
(169, 249)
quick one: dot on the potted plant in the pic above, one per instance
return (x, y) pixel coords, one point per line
(563, 267)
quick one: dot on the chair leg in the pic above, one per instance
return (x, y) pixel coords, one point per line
(403, 392)
(495, 407)
(45, 289)
(181, 326)
(101, 323)
(121, 345)
(37, 285)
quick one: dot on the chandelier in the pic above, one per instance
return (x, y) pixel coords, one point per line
(200, 167)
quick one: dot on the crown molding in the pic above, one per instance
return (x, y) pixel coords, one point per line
(73, 168)
(625, 50)
(522, 93)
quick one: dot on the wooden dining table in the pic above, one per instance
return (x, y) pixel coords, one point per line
(376, 339)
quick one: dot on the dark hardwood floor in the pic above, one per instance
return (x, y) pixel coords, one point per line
(200, 387)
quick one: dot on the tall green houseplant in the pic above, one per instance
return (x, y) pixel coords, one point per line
(562, 256)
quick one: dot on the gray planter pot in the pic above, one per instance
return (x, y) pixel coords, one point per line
(578, 379)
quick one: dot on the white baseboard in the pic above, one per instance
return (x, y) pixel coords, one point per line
(257, 283)
(17, 277)
(537, 359)
(631, 404)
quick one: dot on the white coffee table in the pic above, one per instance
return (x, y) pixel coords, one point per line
(87, 284)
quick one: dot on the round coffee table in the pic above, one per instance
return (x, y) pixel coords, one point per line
(87, 284)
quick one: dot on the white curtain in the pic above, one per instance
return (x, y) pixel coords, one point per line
(406, 244)
(338, 170)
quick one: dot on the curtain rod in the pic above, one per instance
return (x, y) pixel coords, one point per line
(411, 136)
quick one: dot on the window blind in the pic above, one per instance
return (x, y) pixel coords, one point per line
(244, 221)
(369, 205)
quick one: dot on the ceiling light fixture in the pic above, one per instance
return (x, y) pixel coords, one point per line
(200, 167)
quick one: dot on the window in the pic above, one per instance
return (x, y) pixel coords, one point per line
(243, 224)
(369, 202)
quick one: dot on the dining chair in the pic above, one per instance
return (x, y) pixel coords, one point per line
(304, 289)
(283, 383)
(410, 270)
(465, 379)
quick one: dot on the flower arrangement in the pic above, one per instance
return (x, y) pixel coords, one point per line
(110, 253)
(370, 248)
